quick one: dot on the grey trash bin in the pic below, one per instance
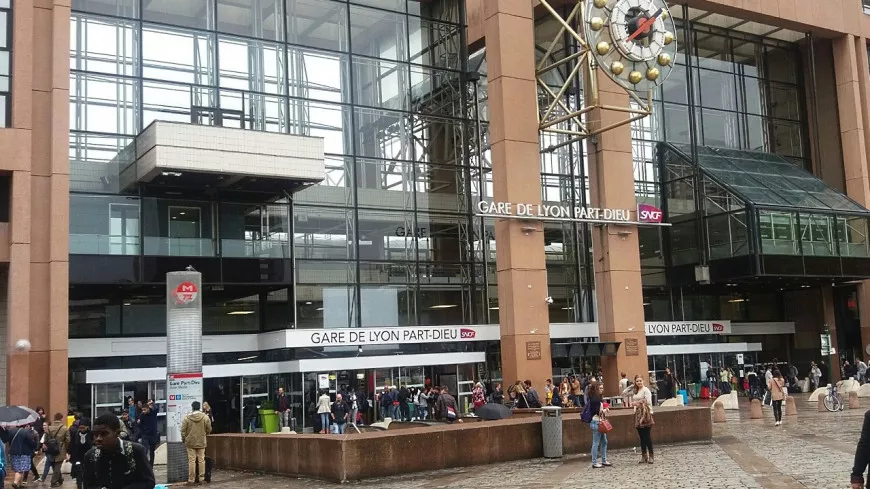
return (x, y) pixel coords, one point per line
(551, 431)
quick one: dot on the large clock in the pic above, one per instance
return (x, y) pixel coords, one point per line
(633, 41)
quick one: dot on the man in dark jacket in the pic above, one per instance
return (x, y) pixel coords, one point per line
(113, 463)
(80, 442)
(446, 406)
(282, 408)
(58, 431)
(532, 395)
(339, 414)
(404, 409)
(497, 396)
(148, 430)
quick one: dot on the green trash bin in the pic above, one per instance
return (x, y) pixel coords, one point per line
(269, 420)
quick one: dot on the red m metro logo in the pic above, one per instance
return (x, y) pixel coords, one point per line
(718, 327)
(467, 334)
(649, 213)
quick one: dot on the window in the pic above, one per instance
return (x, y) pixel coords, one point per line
(5, 62)
(866, 4)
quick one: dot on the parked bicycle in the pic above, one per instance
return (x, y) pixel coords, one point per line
(832, 400)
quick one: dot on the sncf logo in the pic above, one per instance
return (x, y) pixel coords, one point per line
(467, 334)
(718, 327)
(648, 213)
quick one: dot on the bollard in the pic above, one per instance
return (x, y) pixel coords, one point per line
(790, 406)
(718, 412)
(821, 404)
(755, 409)
(853, 400)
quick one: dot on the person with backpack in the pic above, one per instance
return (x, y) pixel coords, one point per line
(596, 414)
(80, 442)
(447, 406)
(113, 462)
(56, 444)
(22, 444)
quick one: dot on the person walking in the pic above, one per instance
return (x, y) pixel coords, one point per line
(113, 462)
(670, 385)
(22, 444)
(282, 408)
(422, 402)
(339, 413)
(323, 410)
(57, 438)
(446, 405)
(150, 436)
(353, 405)
(816, 374)
(404, 397)
(778, 393)
(39, 427)
(195, 429)
(640, 398)
(599, 439)
(80, 442)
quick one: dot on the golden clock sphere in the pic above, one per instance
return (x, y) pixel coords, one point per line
(600, 3)
(602, 47)
(596, 23)
(635, 77)
(617, 67)
(652, 74)
(664, 59)
(669, 37)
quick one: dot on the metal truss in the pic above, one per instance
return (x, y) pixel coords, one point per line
(556, 114)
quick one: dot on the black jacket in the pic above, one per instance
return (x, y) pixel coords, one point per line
(498, 397)
(22, 441)
(77, 448)
(862, 452)
(127, 468)
(340, 411)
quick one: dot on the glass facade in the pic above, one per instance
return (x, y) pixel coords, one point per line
(5, 63)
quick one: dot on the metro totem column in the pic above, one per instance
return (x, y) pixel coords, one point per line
(183, 363)
(615, 250)
(524, 318)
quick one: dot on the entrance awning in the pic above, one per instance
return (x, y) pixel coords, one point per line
(758, 214)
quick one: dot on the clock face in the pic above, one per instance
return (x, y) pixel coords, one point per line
(633, 41)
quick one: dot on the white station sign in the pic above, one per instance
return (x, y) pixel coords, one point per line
(647, 215)
(389, 336)
(687, 328)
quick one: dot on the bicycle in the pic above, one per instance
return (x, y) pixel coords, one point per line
(832, 400)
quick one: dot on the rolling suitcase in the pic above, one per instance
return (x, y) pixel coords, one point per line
(209, 463)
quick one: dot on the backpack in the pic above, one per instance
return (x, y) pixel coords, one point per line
(52, 447)
(586, 415)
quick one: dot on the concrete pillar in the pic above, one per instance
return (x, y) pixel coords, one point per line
(615, 249)
(522, 274)
(852, 75)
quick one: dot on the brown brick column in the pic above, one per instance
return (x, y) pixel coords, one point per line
(853, 89)
(616, 255)
(522, 273)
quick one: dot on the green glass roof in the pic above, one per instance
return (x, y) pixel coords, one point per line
(766, 179)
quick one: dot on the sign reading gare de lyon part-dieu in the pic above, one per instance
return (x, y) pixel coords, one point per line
(646, 214)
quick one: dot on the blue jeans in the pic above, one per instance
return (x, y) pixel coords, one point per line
(421, 412)
(599, 442)
(340, 428)
(47, 467)
(394, 412)
(324, 421)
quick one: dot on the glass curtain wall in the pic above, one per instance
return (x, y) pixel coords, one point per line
(5, 63)
(387, 233)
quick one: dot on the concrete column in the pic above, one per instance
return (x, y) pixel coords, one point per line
(852, 75)
(615, 251)
(829, 317)
(522, 274)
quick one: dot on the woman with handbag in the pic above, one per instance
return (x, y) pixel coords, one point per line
(640, 398)
(776, 386)
(599, 425)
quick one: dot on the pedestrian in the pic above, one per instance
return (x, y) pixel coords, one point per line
(39, 427)
(339, 414)
(57, 438)
(670, 384)
(195, 429)
(724, 381)
(404, 398)
(497, 396)
(754, 384)
(150, 436)
(434, 396)
(478, 398)
(22, 444)
(768, 374)
(640, 398)
(422, 402)
(208, 411)
(777, 393)
(518, 396)
(565, 391)
(115, 463)
(46, 460)
(323, 409)
(447, 405)
(353, 405)
(576, 391)
(395, 409)
(282, 408)
(816, 373)
(132, 409)
(80, 442)
(549, 388)
(385, 403)
(862, 370)
(623, 382)
(599, 414)
(532, 395)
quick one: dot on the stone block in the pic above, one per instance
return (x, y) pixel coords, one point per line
(864, 390)
(850, 385)
(790, 406)
(818, 393)
(673, 402)
(718, 412)
(853, 400)
(755, 409)
(729, 401)
(160, 455)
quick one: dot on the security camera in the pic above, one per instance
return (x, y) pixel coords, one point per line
(549, 300)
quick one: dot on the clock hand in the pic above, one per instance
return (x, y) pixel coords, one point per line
(645, 25)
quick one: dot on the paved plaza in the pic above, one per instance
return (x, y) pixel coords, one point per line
(814, 450)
